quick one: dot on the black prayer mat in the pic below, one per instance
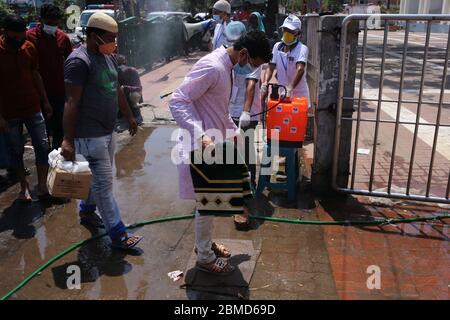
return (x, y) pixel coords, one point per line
(236, 285)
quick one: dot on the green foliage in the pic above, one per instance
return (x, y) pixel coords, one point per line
(32, 14)
(4, 11)
(335, 6)
(193, 6)
(293, 5)
(61, 4)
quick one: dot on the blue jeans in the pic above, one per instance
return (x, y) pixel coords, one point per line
(99, 152)
(14, 139)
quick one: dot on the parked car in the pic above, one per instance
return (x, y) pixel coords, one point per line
(86, 14)
(201, 15)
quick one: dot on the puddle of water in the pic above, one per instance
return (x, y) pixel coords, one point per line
(145, 186)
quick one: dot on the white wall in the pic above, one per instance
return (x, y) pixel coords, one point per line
(409, 6)
(436, 6)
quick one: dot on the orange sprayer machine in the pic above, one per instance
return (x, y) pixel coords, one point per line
(288, 117)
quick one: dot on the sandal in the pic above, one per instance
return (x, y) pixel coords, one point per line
(219, 267)
(91, 219)
(219, 250)
(242, 222)
(127, 241)
(25, 197)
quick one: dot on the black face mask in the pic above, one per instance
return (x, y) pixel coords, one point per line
(16, 44)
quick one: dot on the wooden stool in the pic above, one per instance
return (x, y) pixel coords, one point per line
(292, 172)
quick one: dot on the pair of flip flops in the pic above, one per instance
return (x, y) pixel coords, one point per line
(218, 266)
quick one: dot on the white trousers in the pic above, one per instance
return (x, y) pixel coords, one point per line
(203, 238)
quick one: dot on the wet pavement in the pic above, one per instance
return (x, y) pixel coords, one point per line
(295, 261)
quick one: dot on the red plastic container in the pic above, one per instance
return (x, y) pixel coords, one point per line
(290, 119)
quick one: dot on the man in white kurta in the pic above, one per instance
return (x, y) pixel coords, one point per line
(201, 104)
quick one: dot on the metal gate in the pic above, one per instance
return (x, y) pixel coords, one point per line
(399, 114)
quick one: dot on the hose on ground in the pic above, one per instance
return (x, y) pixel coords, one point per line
(191, 216)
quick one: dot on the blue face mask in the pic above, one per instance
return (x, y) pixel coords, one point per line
(216, 18)
(246, 69)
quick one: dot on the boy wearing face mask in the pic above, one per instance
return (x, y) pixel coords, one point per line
(93, 97)
(221, 15)
(245, 100)
(290, 57)
(22, 98)
(53, 47)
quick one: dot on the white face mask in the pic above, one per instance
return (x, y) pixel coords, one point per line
(51, 30)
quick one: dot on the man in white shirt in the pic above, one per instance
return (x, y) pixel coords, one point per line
(290, 57)
(245, 102)
(221, 15)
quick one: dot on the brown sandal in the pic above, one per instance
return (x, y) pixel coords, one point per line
(219, 250)
(219, 267)
(242, 222)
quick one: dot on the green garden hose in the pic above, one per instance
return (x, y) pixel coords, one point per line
(81, 243)
(191, 216)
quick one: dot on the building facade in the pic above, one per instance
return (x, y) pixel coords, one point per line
(427, 7)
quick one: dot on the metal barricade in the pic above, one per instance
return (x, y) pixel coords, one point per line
(413, 133)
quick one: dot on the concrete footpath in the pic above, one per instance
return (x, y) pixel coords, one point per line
(295, 261)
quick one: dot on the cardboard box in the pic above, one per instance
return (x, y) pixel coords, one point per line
(65, 184)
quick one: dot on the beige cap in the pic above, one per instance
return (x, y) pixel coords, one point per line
(101, 20)
(222, 5)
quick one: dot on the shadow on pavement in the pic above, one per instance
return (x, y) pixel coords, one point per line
(6, 183)
(204, 286)
(20, 217)
(95, 259)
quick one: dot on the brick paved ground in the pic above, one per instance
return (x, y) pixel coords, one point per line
(413, 258)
